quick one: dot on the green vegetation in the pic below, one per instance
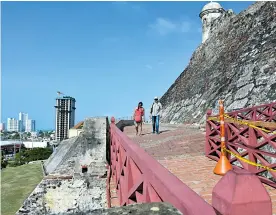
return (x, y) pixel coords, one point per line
(26, 156)
(15, 136)
(44, 134)
(17, 184)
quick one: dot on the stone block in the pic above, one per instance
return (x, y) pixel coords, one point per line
(241, 192)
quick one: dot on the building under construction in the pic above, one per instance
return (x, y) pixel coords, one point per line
(65, 116)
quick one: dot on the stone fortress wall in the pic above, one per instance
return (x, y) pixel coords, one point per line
(65, 188)
(237, 63)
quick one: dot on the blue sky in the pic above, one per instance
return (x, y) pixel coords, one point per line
(108, 55)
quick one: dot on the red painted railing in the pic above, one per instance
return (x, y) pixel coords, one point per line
(140, 178)
(251, 143)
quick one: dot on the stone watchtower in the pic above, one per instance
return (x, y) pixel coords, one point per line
(208, 14)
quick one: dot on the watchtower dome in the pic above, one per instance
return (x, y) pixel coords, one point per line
(208, 14)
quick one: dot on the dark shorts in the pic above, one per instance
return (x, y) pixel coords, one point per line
(137, 123)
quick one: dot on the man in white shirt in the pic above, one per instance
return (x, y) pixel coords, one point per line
(155, 115)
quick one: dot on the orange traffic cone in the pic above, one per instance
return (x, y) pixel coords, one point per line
(223, 165)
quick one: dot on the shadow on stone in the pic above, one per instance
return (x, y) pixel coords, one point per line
(135, 209)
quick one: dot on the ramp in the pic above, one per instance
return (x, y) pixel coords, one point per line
(89, 149)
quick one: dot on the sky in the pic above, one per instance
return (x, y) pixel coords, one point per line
(107, 55)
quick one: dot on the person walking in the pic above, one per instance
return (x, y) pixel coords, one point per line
(138, 117)
(155, 115)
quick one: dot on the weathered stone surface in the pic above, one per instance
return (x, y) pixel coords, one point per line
(89, 148)
(237, 63)
(59, 154)
(137, 209)
(57, 196)
(66, 188)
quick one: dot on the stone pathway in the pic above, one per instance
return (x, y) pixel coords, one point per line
(180, 149)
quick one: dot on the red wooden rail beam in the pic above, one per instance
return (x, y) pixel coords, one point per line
(140, 178)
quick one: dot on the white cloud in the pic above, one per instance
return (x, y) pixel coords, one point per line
(148, 66)
(165, 26)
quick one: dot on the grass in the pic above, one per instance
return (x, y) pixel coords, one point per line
(16, 185)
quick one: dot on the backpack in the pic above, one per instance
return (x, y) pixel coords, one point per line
(139, 112)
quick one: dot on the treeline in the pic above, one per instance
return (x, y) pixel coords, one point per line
(26, 156)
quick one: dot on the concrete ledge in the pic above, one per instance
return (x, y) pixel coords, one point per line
(136, 209)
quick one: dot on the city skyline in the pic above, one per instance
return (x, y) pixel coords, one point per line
(22, 124)
(108, 63)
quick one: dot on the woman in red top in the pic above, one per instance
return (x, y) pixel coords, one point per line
(138, 117)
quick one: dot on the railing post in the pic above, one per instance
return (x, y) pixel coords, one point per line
(270, 107)
(111, 145)
(240, 192)
(252, 142)
(207, 147)
(113, 120)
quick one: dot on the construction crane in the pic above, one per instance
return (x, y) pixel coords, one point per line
(60, 93)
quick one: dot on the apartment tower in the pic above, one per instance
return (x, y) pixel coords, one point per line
(23, 120)
(12, 124)
(65, 116)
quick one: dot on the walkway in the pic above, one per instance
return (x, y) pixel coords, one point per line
(180, 149)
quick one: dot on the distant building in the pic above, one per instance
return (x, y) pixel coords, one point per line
(23, 121)
(35, 144)
(30, 125)
(2, 126)
(11, 146)
(12, 124)
(65, 116)
(34, 134)
(76, 130)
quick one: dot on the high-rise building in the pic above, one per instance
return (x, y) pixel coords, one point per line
(30, 126)
(65, 116)
(2, 126)
(12, 124)
(23, 120)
